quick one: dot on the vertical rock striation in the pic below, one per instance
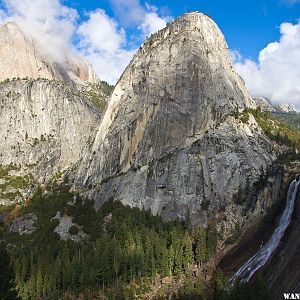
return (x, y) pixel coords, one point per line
(168, 140)
(44, 126)
(46, 118)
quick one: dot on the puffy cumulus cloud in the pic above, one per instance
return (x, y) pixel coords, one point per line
(49, 22)
(59, 31)
(103, 43)
(152, 22)
(146, 17)
(101, 32)
(277, 72)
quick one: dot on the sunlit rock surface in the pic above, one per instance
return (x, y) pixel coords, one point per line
(168, 140)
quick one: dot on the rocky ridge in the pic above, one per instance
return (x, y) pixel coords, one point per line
(49, 111)
(172, 138)
(267, 106)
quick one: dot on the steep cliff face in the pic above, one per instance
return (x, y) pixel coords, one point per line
(168, 140)
(21, 56)
(44, 127)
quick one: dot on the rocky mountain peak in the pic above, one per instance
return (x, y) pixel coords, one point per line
(21, 56)
(185, 71)
(286, 108)
(160, 138)
(266, 105)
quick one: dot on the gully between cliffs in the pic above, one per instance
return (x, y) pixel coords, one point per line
(258, 260)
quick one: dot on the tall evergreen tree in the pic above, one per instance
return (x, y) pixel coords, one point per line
(211, 240)
(200, 249)
(6, 276)
(39, 284)
(188, 254)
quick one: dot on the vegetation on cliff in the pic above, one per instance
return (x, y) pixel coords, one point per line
(290, 119)
(97, 93)
(277, 131)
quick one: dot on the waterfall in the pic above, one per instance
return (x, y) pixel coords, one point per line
(261, 257)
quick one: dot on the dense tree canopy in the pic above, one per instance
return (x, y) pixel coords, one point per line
(124, 245)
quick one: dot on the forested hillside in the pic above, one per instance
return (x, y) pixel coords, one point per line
(127, 253)
(291, 119)
(124, 246)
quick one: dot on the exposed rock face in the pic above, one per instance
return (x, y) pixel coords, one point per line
(47, 120)
(64, 226)
(44, 126)
(24, 224)
(266, 105)
(168, 140)
(286, 108)
(282, 274)
(21, 56)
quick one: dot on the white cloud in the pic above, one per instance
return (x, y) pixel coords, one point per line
(129, 12)
(146, 18)
(277, 72)
(49, 22)
(152, 21)
(103, 41)
(103, 44)
(100, 38)
(101, 32)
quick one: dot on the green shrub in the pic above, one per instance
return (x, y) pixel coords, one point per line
(73, 230)
(205, 204)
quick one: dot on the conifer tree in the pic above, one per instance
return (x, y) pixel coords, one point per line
(200, 250)
(39, 284)
(171, 260)
(211, 240)
(188, 255)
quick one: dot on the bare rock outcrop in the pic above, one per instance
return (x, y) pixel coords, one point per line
(44, 126)
(267, 106)
(169, 140)
(67, 230)
(48, 112)
(24, 224)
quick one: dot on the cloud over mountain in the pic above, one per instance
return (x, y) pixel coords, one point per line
(49, 22)
(276, 73)
(59, 30)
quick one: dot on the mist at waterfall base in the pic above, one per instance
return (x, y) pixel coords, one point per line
(261, 257)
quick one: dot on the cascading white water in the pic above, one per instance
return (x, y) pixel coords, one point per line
(262, 256)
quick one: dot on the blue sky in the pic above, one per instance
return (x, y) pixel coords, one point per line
(248, 26)
(263, 36)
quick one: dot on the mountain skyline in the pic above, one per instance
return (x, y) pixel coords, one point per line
(108, 34)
